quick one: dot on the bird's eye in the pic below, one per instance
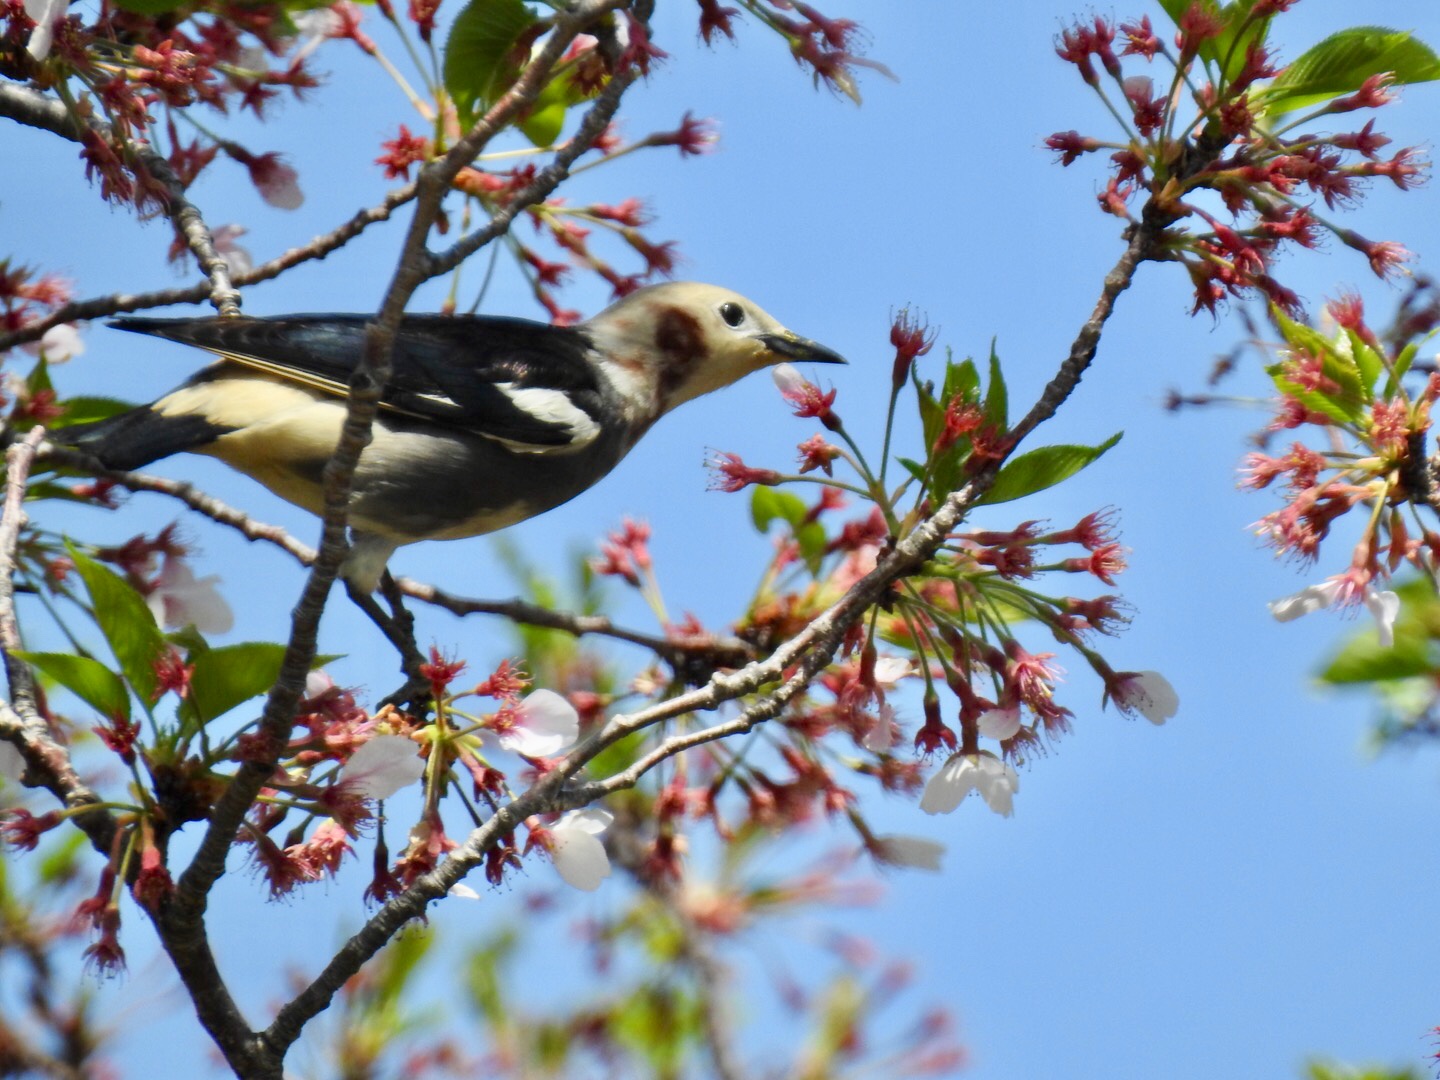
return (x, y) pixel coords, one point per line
(732, 313)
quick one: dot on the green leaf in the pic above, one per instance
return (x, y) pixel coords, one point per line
(997, 408)
(1367, 361)
(1363, 659)
(914, 468)
(88, 679)
(1343, 61)
(813, 541)
(1402, 365)
(228, 676)
(962, 380)
(64, 861)
(1347, 403)
(543, 123)
(1042, 468)
(932, 416)
(39, 378)
(125, 621)
(768, 504)
(479, 54)
(1238, 31)
(86, 410)
(151, 7)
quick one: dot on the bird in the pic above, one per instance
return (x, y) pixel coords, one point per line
(485, 421)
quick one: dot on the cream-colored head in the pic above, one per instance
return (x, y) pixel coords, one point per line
(667, 344)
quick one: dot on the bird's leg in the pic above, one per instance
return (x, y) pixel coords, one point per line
(398, 625)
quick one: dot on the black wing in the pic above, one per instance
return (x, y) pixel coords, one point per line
(458, 371)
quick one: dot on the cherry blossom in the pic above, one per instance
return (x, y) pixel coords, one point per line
(577, 851)
(544, 724)
(1145, 692)
(60, 343)
(382, 767)
(881, 737)
(996, 782)
(1000, 723)
(1383, 605)
(227, 246)
(45, 13)
(177, 599)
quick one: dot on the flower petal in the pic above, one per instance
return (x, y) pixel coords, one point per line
(578, 853)
(1150, 694)
(1307, 600)
(1384, 606)
(911, 851)
(383, 766)
(1000, 724)
(178, 599)
(949, 786)
(545, 724)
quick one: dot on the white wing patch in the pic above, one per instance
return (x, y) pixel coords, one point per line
(551, 407)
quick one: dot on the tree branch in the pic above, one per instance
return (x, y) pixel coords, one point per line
(184, 914)
(811, 650)
(34, 109)
(47, 760)
(118, 303)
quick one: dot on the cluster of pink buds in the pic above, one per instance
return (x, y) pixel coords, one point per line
(1348, 385)
(130, 66)
(1219, 120)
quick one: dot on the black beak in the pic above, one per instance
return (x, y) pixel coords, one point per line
(788, 346)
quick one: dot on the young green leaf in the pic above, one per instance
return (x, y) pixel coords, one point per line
(1343, 399)
(1343, 61)
(479, 54)
(768, 503)
(1363, 659)
(88, 679)
(227, 676)
(85, 410)
(126, 622)
(997, 407)
(1042, 468)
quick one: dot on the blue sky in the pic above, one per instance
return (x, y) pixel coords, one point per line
(1224, 896)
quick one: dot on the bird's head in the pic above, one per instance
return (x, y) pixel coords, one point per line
(676, 341)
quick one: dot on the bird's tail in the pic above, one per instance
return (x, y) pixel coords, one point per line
(133, 439)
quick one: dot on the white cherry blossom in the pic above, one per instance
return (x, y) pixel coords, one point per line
(578, 853)
(179, 599)
(1148, 693)
(383, 766)
(996, 782)
(544, 724)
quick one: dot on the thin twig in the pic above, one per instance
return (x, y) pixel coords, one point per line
(118, 303)
(726, 651)
(26, 106)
